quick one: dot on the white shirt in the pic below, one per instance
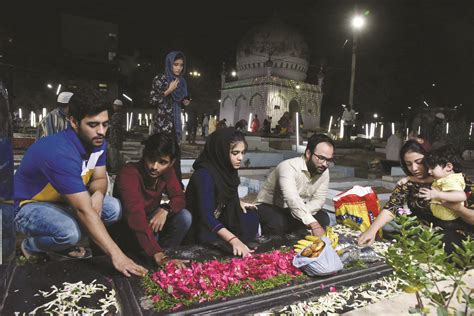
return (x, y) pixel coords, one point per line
(348, 116)
(290, 186)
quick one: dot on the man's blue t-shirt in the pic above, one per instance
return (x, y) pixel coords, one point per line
(54, 166)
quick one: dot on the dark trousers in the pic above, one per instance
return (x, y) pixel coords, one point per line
(172, 235)
(277, 220)
(347, 132)
(248, 229)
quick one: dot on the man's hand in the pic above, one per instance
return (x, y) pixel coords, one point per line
(317, 229)
(239, 248)
(244, 206)
(158, 220)
(97, 201)
(428, 194)
(126, 265)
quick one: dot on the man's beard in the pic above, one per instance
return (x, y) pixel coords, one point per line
(313, 169)
(88, 143)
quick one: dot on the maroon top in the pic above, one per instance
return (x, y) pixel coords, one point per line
(141, 196)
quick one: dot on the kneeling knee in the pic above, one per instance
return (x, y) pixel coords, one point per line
(69, 237)
(184, 219)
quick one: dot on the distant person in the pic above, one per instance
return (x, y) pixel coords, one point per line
(169, 92)
(212, 124)
(284, 123)
(212, 194)
(191, 126)
(266, 129)
(349, 117)
(140, 186)
(221, 124)
(255, 126)
(294, 193)
(241, 125)
(116, 136)
(205, 125)
(56, 120)
(60, 189)
(392, 151)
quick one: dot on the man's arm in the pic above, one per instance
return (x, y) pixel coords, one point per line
(98, 188)
(175, 192)
(82, 203)
(319, 197)
(287, 181)
(99, 181)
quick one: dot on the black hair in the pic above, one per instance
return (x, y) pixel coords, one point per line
(238, 137)
(87, 102)
(315, 139)
(159, 145)
(411, 146)
(179, 56)
(444, 155)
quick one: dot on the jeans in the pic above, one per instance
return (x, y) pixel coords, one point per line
(54, 227)
(175, 229)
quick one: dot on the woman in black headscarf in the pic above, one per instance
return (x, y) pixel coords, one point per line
(212, 194)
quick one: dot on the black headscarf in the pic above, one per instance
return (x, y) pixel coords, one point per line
(216, 159)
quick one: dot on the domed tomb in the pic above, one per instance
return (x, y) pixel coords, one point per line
(276, 44)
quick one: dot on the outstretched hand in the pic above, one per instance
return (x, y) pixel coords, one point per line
(367, 238)
(245, 206)
(127, 266)
(240, 249)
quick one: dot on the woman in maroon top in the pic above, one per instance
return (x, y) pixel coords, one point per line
(140, 187)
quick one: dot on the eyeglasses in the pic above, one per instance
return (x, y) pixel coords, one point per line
(329, 161)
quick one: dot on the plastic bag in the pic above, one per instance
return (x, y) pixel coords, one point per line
(354, 253)
(357, 208)
(326, 263)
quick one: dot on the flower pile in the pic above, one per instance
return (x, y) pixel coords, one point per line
(171, 288)
(68, 300)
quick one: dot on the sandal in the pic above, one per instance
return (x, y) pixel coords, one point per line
(72, 253)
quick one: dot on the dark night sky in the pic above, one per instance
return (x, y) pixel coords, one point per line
(406, 47)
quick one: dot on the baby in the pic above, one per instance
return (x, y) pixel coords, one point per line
(448, 185)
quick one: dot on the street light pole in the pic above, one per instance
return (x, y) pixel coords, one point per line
(353, 68)
(357, 24)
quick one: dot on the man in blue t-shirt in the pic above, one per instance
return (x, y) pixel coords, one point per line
(60, 189)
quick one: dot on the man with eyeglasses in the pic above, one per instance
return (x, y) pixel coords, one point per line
(294, 193)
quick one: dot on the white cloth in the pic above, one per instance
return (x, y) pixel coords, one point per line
(64, 97)
(290, 186)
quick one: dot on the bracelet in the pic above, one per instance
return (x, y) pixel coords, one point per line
(231, 239)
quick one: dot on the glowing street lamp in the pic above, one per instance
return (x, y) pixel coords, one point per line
(233, 73)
